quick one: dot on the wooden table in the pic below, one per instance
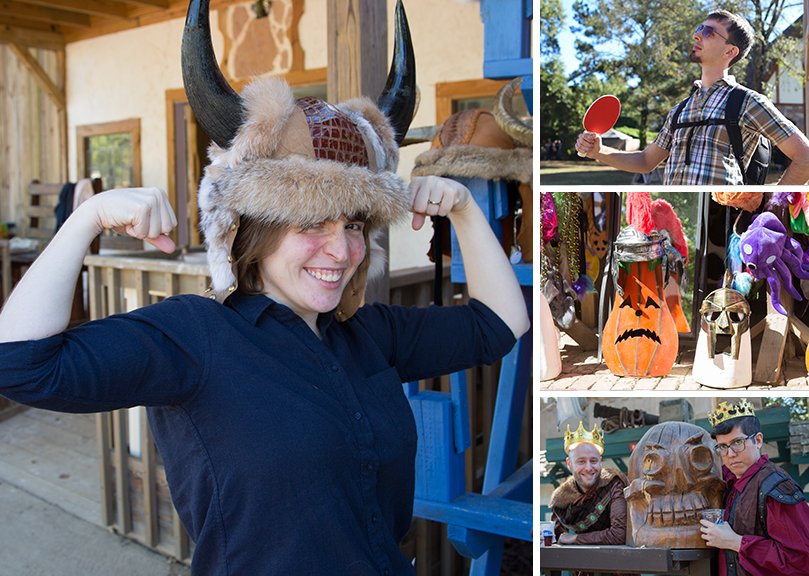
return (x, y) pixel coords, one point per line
(607, 559)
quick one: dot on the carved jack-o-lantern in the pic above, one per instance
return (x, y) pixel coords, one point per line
(640, 337)
(673, 475)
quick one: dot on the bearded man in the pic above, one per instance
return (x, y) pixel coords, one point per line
(589, 507)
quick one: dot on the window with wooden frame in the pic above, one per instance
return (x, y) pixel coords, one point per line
(452, 97)
(111, 151)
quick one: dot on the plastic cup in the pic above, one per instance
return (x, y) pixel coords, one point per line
(715, 515)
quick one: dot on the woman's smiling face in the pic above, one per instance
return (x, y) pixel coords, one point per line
(313, 265)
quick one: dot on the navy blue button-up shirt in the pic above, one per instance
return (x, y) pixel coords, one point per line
(284, 453)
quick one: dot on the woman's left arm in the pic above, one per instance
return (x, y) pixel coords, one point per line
(489, 275)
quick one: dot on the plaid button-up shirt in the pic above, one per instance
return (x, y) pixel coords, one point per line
(711, 158)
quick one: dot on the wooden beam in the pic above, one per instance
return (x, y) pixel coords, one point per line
(51, 15)
(357, 66)
(138, 16)
(104, 8)
(357, 48)
(14, 22)
(162, 4)
(31, 38)
(50, 89)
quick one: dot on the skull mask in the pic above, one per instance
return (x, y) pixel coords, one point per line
(673, 475)
(725, 312)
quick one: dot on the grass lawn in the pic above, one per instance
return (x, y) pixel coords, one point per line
(592, 173)
(581, 173)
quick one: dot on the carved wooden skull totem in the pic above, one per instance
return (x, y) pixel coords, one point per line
(674, 474)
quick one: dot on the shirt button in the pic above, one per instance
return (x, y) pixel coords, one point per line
(373, 518)
(334, 368)
(370, 466)
(357, 415)
(386, 572)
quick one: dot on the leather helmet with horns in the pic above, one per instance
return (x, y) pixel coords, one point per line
(282, 161)
(219, 109)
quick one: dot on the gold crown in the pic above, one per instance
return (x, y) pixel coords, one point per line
(582, 436)
(727, 411)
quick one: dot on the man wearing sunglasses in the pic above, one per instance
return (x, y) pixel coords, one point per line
(703, 154)
(766, 524)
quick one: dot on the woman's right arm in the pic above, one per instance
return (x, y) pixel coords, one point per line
(40, 304)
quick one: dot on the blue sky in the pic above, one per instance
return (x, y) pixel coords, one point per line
(566, 37)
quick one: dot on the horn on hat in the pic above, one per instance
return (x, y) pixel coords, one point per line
(503, 112)
(398, 98)
(216, 105)
(218, 108)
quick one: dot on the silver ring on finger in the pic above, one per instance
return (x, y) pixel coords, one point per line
(433, 203)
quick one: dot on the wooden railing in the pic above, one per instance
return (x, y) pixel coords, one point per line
(136, 501)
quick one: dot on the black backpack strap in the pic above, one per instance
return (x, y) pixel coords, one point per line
(676, 124)
(733, 107)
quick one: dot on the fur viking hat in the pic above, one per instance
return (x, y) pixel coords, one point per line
(296, 162)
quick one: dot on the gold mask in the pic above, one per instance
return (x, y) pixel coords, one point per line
(725, 312)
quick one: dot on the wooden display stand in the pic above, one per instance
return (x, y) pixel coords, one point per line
(478, 523)
(775, 343)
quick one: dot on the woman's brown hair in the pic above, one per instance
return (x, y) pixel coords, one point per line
(254, 242)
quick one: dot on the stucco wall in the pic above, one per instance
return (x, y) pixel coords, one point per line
(126, 75)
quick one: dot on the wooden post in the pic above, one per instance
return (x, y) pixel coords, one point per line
(357, 66)
(806, 65)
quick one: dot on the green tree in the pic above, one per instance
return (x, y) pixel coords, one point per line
(766, 17)
(645, 42)
(798, 407)
(551, 21)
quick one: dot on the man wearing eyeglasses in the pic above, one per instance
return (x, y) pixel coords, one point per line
(766, 524)
(703, 154)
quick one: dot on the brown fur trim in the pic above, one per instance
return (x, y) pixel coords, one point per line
(268, 174)
(294, 191)
(569, 492)
(268, 105)
(297, 190)
(366, 115)
(470, 161)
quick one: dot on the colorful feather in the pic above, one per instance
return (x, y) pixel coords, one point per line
(583, 286)
(639, 211)
(548, 224)
(665, 218)
(782, 199)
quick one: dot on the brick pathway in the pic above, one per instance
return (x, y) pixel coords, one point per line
(582, 371)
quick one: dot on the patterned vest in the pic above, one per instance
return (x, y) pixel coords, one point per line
(748, 513)
(589, 515)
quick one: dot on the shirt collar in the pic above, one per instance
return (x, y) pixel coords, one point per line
(740, 483)
(251, 307)
(729, 80)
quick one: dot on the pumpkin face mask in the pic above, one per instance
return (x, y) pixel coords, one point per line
(674, 474)
(640, 336)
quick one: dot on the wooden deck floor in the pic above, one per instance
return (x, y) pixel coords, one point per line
(582, 371)
(53, 456)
